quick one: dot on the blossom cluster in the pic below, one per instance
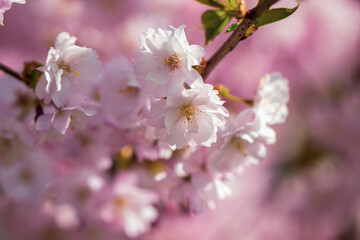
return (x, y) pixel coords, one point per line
(111, 147)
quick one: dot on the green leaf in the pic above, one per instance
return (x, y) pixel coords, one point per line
(233, 3)
(232, 27)
(212, 3)
(274, 15)
(214, 21)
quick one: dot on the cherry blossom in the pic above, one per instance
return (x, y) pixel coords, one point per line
(120, 93)
(70, 72)
(129, 207)
(192, 117)
(195, 185)
(166, 59)
(5, 5)
(271, 99)
(242, 142)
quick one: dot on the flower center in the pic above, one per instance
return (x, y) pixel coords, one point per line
(189, 112)
(67, 69)
(240, 144)
(129, 90)
(172, 62)
(120, 203)
(26, 176)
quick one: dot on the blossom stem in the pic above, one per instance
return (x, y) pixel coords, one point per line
(236, 36)
(11, 72)
(249, 102)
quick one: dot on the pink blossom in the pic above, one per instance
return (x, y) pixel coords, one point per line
(128, 207)
(192, 117)
(70, 72)
(271, 99)
(166, 58)
(5, 5)
(241, 142)
(120, 93)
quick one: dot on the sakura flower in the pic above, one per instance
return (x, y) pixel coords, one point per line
(120, 93)
(60, 120)
(271, 99)
(241, 142)
(128, 207)
(196, 185)
(166, 59)
(192, 117)
(69, 68)
(5, 5)
(26, 179)
(15, 142)
(69, 74)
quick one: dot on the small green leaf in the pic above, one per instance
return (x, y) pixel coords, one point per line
(274, 15)
(212, 3)
(214, 21)
(232, 27)
(233, 3)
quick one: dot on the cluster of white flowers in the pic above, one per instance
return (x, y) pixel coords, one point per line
(243, 139)
(153, 115)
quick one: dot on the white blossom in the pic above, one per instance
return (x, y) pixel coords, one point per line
(192, 117)
(5, 5)
(166, 59)
(70, 72)
(129, 207)
(271, 99)
(241, 142)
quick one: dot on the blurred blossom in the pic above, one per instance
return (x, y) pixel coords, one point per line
(78, 185)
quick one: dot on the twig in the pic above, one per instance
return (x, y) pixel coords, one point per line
(236, 36)
(11, 72)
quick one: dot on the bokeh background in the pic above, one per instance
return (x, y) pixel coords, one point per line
(308, 187)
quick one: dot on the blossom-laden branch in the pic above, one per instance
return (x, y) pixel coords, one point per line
(237, 35)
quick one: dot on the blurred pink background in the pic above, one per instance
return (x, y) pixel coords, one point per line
(309, 185)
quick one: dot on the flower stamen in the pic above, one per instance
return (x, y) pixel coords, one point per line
(172, 62)
(67, 69)
(189, 112)
(239, 144)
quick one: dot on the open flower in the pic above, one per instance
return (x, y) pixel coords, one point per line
(241, 142)
(70, 72)
(166, 59)
(128, 207)
(191, 117)
(6, 5)
(271, 99)
(120, 94)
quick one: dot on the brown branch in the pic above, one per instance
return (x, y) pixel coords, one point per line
(11, 72)
(236, 36)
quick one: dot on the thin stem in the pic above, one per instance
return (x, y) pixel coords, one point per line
(236, 36)
(11, 72)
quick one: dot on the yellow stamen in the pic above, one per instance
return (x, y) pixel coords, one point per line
(239, 144)
(67, 68)
(172, 62)
(76, 73)
(189, 112)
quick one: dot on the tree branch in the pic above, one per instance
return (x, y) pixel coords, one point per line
(11, 72)
(236, 36)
